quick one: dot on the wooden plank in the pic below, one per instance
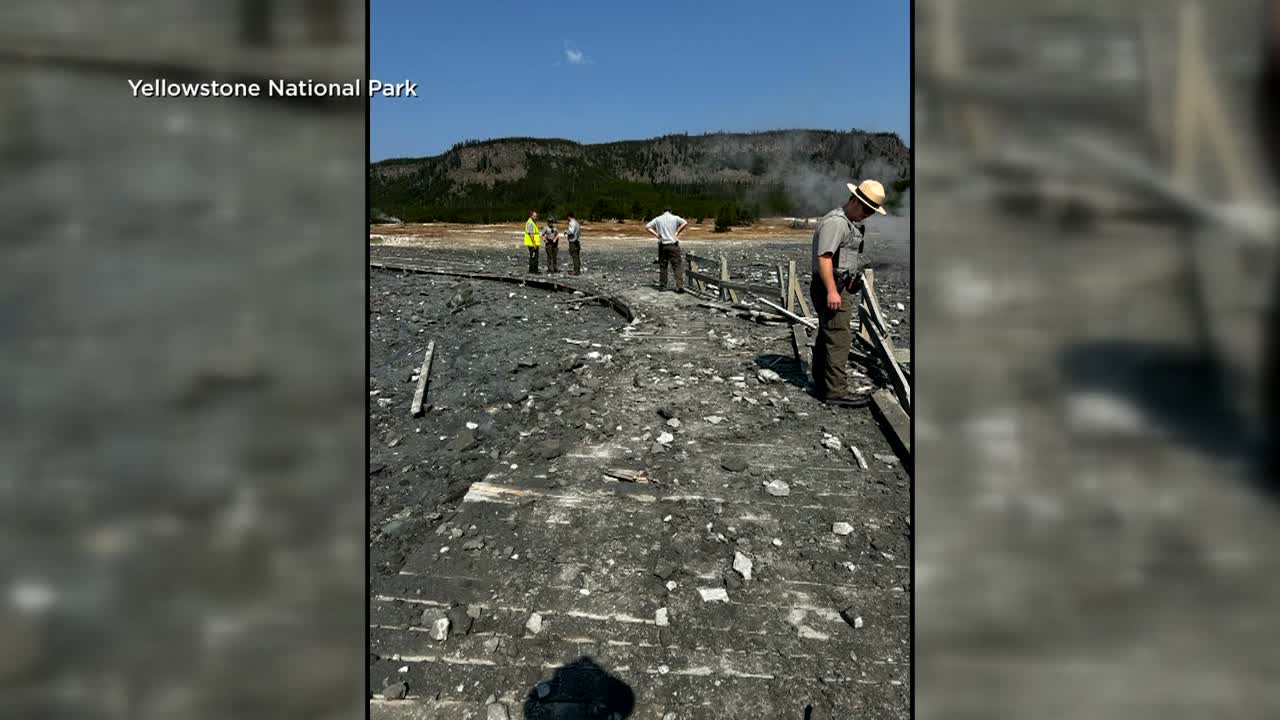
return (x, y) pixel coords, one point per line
(784, 290)
(884, 349)
(873, 304)
(895, 423)
(420, 393)
(691, 271)
(798, 292)
(724, 281)
(800, 346)
(790, 315)
(734, 285)
(701, 276)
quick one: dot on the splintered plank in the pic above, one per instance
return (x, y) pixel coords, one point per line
(884, 350)
(872, 302)
(800, 344)
(896, 424)
(420, 393)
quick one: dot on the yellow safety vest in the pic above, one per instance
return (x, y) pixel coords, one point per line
(532, 235)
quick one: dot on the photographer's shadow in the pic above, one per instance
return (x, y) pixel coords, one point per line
(580, 690)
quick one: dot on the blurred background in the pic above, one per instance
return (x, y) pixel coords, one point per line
(182, 508)
(1094, 280)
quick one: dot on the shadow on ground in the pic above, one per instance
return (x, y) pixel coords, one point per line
(580, 690)
(1181, 391)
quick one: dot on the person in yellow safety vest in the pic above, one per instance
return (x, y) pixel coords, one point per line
(532, 239)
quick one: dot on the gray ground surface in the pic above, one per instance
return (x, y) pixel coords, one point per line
(543, 530)
(183, 413)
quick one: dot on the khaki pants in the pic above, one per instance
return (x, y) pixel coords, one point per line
(669, 254)
(835, 337)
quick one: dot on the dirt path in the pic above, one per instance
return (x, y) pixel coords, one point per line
(616, 571)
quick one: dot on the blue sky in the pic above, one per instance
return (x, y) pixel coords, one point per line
(601, 71)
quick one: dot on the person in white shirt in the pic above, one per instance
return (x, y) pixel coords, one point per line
(573, 234)
(667, 228)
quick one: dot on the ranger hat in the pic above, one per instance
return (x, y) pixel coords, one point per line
(871, 193)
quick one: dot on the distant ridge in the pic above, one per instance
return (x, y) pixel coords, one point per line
(776, 172)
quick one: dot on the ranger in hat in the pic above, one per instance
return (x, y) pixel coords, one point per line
(837, 273)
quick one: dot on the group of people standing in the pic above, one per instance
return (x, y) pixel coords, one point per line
(837, 248)
(549, 237)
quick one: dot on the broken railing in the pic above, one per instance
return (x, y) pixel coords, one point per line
(785, 301)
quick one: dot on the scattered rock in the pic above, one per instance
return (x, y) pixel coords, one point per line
(852, 618)
(742, 564)
(497, 711)
(831, 442)
(660, 618)
(901, 307)
(673, 423)
(492, 644)
(440, 629)
(714, 419)
(464, 441)
(777, 488)
(396, 691)
(552, 449)
(534, 624)
(476, 544)
(777, 542)
(474, 612)
(767, 376)
(713, 595)
(734, 464)
(473, 426)
(664, 569)
(842, 528)
(886, 459)
(666, 438)
(459, 620)
(393, 440)
(395, 527)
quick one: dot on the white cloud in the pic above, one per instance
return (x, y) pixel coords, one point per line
(574, 56)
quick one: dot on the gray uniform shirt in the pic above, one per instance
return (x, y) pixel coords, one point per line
(666, 226)
(573, 232)
(837, 235)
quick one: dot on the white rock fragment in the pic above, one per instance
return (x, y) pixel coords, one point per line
(777, 488)
(857, 454)
(440, 629)
(742, 565)
(777, 542)
(767, 376)
(673, 423)
(831, 442)
(901, 307)
(660, 618)
(534, 624)
(472, 426)
(671, 585)
(666, 438)
(713, 595)
(714, 419)
(842, 529)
